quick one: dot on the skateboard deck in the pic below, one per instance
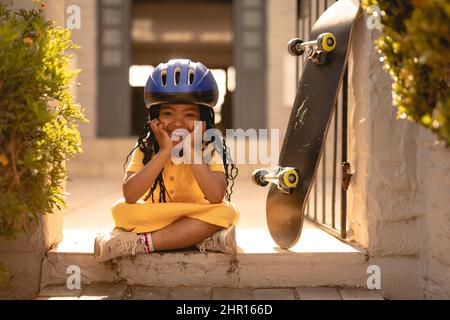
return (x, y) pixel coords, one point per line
(317, 94)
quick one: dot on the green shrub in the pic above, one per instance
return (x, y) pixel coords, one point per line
(415, 46)
(38, 116)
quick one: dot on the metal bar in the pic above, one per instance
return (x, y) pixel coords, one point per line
(299, 23)
(315, 182)
(306, 25)
(344, 154)
(313, 12)
(333, 191)
(326, 228)
(308, 210)
(317, 10)
(297, 35)
(303, 33)
(324, 181)
(310, 19)
(315, 200)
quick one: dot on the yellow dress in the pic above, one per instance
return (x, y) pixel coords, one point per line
(185, 200)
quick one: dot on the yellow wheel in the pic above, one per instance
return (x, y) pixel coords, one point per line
(326, 42)
(290, 178)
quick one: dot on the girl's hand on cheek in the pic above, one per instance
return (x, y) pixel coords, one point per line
(161, 135)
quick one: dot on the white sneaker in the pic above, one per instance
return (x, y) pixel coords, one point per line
(116, 244)
(222, 241)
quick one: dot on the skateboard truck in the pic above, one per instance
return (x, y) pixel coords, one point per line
(285, 178)
(316, 50)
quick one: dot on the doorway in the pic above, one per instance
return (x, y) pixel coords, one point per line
(199, 30)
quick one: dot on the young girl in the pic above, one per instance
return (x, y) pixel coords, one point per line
(166, 205)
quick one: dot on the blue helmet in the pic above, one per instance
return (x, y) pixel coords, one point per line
(181, 81)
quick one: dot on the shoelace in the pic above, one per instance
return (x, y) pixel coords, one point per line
(129, 245)
(209, 243)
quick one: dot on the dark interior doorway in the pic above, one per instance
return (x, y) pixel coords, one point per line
(198, 30)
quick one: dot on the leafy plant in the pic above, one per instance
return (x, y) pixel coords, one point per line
(415, 46)
(38, 116)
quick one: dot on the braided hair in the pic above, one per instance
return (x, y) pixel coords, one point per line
(148, 144)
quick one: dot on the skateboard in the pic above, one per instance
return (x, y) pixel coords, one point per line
(317, 94)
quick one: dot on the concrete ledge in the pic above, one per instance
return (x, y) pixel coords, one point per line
(192, 268)
(123, 291)
(55, 266)
(318, 259)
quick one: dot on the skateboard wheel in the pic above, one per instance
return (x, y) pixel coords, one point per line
(326, 42)
(257, 177)
(290, 178)
(294, 48)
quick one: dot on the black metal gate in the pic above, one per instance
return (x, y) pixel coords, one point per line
(327, 206)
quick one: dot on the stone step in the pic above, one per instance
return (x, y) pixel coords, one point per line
(213, 270)
(101, 158)
(107, 149)
(123, 291)
(257, 265)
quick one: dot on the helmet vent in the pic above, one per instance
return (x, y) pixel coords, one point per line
(164, 77)
(176, 75)
(191, 77)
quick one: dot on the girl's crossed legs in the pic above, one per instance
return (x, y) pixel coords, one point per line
(183, 233)
(172, 230)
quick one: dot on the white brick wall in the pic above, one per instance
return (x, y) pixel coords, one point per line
(399, 196)
(434, 188)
